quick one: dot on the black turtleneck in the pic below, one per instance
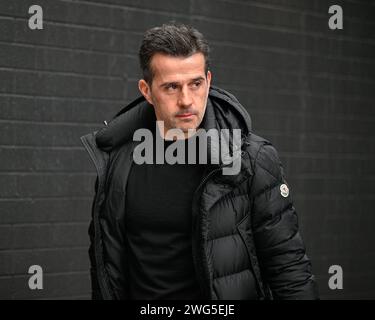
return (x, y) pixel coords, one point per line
(159, 230)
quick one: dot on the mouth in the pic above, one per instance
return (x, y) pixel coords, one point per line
(185, 115)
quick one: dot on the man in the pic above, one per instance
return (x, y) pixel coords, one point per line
(187, 231)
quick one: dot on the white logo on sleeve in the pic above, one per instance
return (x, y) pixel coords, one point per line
(284, 190)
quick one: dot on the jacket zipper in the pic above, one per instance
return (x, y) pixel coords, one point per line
(204, 266)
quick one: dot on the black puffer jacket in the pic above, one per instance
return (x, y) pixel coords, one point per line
(245, 240)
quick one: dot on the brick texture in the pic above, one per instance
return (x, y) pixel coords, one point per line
(310, 91)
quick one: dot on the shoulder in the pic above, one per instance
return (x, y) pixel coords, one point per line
(264, 156)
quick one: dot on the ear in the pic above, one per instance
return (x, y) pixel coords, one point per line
(145, 89)
(209, 77)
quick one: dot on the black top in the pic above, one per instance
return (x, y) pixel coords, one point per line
(159, 229)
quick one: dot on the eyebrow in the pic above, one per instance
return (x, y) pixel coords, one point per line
(175, 82)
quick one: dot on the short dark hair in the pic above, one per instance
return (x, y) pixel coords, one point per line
(173, 39)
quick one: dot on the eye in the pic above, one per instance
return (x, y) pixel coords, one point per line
(196, 84)
(171, 86)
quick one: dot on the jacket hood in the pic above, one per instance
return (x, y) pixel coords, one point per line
(223, 111)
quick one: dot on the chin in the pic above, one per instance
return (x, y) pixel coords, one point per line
(190, 127)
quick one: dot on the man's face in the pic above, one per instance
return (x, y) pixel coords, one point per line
(179, 90)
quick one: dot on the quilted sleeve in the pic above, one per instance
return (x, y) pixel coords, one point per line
(283, 262)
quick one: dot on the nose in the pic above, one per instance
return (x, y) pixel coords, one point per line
(185, 99)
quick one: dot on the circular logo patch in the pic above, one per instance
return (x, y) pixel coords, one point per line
(284, 190)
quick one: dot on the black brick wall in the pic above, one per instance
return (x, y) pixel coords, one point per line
(309, 89)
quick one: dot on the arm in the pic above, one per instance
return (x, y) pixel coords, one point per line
(283, 262)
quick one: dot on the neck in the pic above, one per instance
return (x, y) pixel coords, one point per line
(173, 133)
